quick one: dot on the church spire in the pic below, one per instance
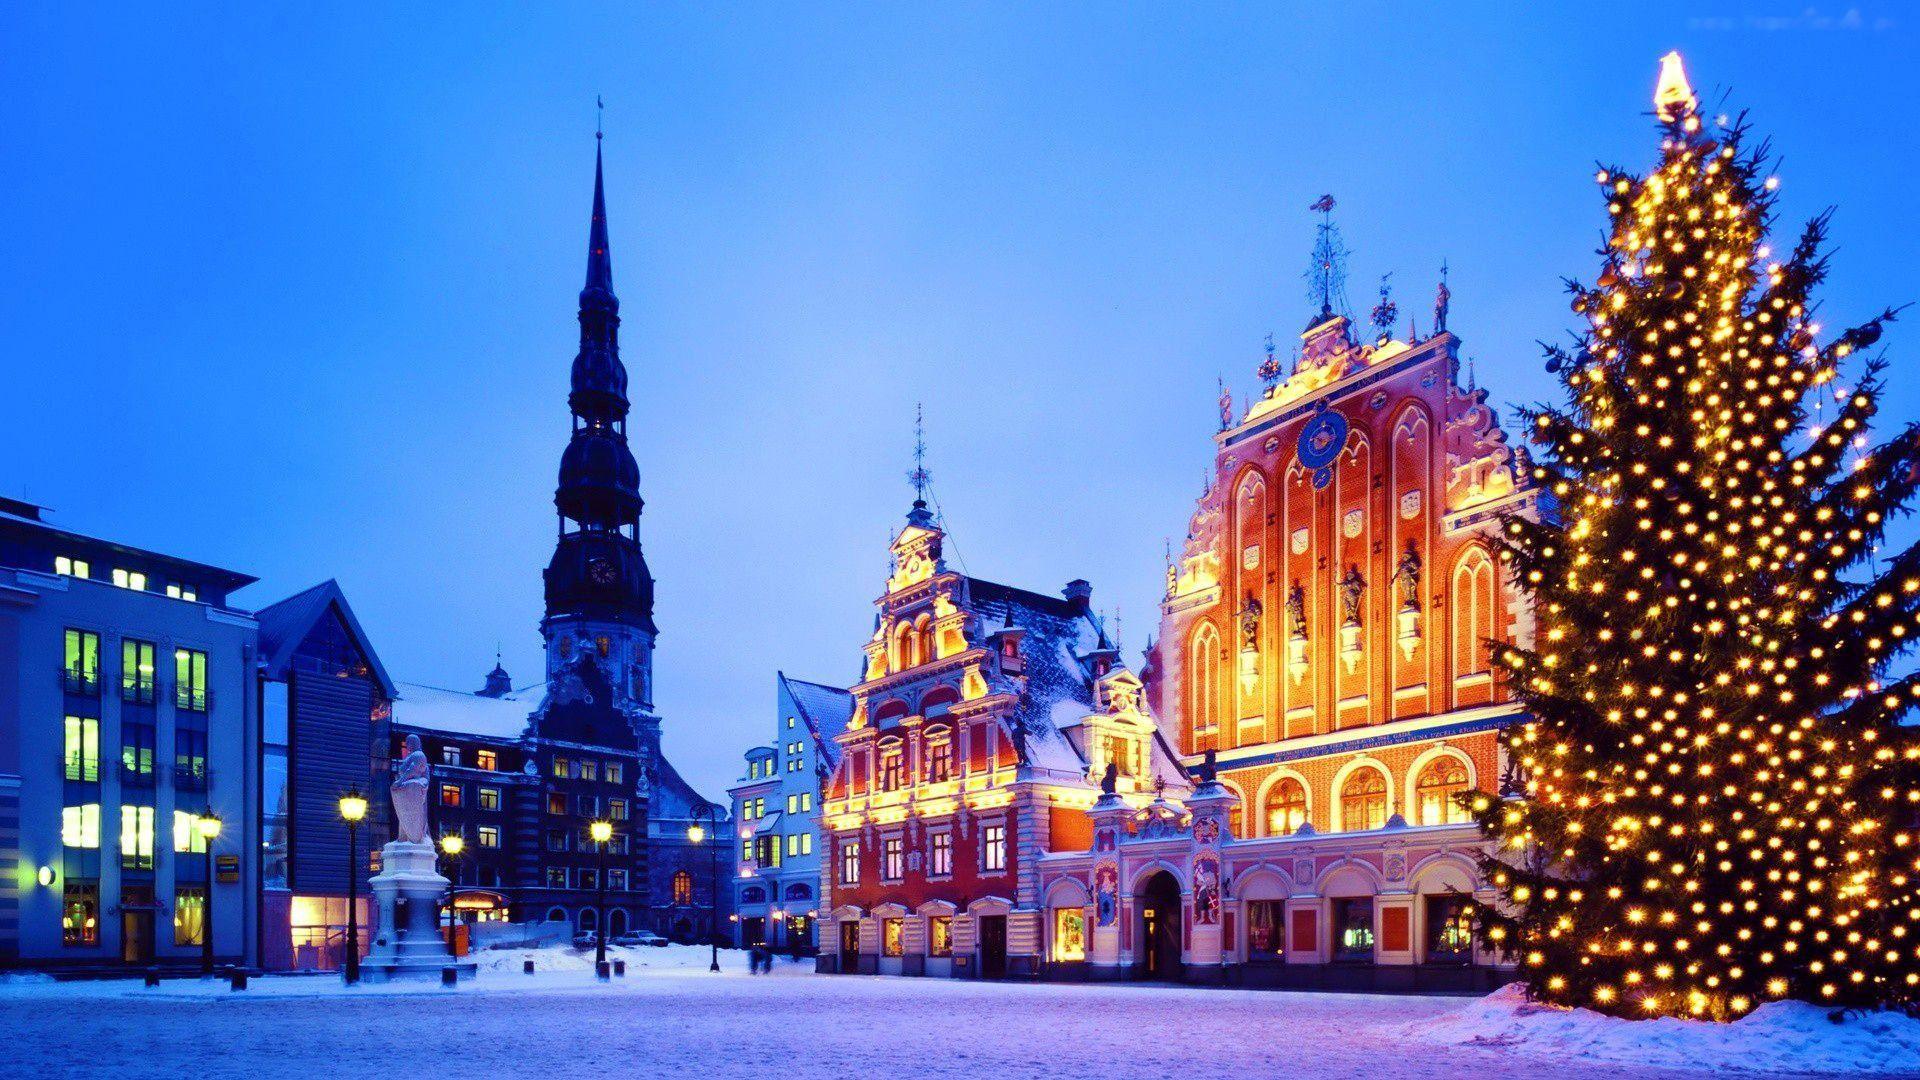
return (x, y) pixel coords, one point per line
(599, 257)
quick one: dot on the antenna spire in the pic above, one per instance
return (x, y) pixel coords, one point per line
(599, 116)
(919, 476)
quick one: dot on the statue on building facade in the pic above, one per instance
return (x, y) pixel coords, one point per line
(409, 792)
(1352, 586)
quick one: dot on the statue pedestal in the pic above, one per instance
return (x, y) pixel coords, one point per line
(408, 892)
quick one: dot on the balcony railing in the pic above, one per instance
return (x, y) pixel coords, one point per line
(190, 777)
(136, 691)
(191, 698)
(80, 682)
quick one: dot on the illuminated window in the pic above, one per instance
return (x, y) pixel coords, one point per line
(616, 773)
(1286, 807)
(1069, 933)
(893, 937)
(850, 863)
(940, 936)
(557, 879)
(183, 592)
(617, 809)
(891, 757)
(939, 758)
(450, 794)
(806, 802)
(746, 850)
(80, 912)
(1203, 684)
(488, 836)
(189, 914)
(136, 752)
(556, 803)
(682, 887)
(893, 860)
(789, 721)
(82, 750)
(1353, 929)
(130, 579)
(136, 671)
(450, 755)
(80, 826)
(1439, 782)
(561, 769)
(190, 680)
(617, 882)
(940, 854)
(67, 567)
(590, 770)
(187, 837)
(136, 837)
(1449, 929)
(993, 848)
(1120, 751)
(489, 798)
(1363, 800)
(81, 672)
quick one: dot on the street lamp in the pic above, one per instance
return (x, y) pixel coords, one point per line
(452, 844)
(601, 831)
(353, 810)
(779, 924)
(696, 834)
(208, 825)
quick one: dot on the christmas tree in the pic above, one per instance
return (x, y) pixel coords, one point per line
(1715, 795)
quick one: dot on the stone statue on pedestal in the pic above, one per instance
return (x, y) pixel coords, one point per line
(409, 791)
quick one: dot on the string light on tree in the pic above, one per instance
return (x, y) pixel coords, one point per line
(1718, 806)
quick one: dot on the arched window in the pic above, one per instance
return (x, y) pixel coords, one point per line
(891, 709)
(936, 697)
(588, 920)
(938, 750)
(1286, 807)
(682, 887)
(1434, 791)
(753, 895)
(799, 891)
(892, 759)
(1475, 598)
(616, 922)
(557, 914)
(903, 647)
(1203, 685)
(923, 639)
(1363, 800)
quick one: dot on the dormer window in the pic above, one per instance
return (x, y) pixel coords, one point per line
(130, 579)
(1122, 751)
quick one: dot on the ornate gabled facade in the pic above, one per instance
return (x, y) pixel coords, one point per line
(986, 717)
(1325, 646)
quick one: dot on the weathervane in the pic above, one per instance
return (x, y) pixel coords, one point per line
(1270, 367)
(919, 477)
(1386, 312)
(1327, 275)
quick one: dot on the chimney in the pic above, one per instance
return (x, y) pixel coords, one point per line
(1079, 594)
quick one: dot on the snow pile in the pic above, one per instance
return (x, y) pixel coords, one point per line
(566, 959)
(1782, 1036)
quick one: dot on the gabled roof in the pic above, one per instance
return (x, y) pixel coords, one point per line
(825, 710)
(283, 626)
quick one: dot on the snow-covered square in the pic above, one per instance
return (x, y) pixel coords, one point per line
(670, 1017)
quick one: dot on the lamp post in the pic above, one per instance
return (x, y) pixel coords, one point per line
(695, 834)
(773, 932)
(208, 825)
(601, 831)
(353, 810)
(452, 844)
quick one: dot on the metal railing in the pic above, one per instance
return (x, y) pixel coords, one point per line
(80, 682)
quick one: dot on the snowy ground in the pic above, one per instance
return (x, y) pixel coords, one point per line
(672, 1018)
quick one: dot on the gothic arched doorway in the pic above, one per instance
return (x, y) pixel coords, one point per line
(1159, 928)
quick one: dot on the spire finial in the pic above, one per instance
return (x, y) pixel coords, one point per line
(1673, 95)
(1327, 275)
(599, 115)
(919, 476)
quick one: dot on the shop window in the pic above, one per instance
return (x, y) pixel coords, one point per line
(1449, 929)
(1069, 933)
(80, 912)
(189, 914)
(940, 935)
(1265, 922)
(1353, 929)
(893, 937)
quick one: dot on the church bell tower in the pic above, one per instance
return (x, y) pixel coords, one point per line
(599, 627)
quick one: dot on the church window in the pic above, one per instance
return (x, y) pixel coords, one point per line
(682, 887)
(850, 863)
(993, 848)
(940, 854)
(1363, 800)
(893, 862)
(486, 759)
(940, 935)
(489, 798)
(1286, 807)
(1439, 783)
(450, 794)
(450, 755)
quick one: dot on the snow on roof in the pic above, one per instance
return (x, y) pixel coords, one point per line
(437, 709)
(826, 709)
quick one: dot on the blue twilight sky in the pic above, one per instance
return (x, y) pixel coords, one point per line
(293, 290)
